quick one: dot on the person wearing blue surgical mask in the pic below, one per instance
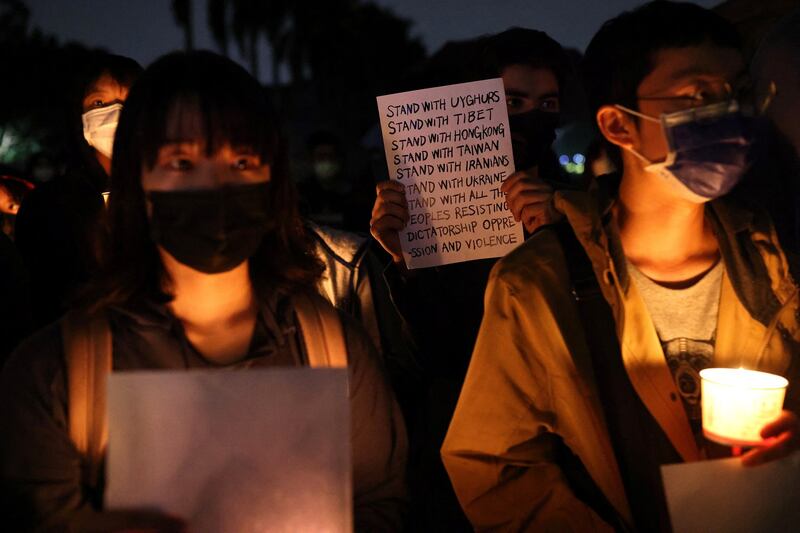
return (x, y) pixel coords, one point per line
(584, 380)
(58, 225)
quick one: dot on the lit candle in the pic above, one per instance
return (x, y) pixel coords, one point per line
(738, 403)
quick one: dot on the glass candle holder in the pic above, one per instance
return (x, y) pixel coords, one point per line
(738, 403)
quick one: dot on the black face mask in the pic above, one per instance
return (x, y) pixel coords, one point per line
(211, 230)
(532, 133)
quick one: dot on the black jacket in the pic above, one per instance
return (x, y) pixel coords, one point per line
(57, 232)
(40, 469)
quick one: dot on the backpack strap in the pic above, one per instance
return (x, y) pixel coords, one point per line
(322, 331)
(87, 349)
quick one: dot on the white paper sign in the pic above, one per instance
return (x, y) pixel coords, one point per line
(722, 496)
(451, 149)
(233, 451)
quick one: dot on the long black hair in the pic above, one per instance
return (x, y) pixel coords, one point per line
(235, 110)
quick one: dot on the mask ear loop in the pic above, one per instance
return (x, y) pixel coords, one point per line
(637, 113)
(640, 156)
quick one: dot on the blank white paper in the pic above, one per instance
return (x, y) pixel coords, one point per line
(722, 496)
(233, 451)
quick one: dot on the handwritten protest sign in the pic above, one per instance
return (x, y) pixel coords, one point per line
(451, 149)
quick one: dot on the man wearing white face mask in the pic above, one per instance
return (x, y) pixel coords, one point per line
(584, 378)
(59, 223)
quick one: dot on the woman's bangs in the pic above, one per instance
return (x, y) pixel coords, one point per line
(216, 115)
(229, 122)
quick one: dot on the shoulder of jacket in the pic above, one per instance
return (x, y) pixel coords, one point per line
(41, 355)
(340, 245)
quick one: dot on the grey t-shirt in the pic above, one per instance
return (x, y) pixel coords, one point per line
(686, 322)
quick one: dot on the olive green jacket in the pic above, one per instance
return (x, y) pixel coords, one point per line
(531, 377)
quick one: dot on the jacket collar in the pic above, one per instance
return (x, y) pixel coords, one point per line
(757, 281)
(146, 312)
(754, 261)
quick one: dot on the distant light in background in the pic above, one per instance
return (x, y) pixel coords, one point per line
(7, 140)
(15, 148)
(573, 165)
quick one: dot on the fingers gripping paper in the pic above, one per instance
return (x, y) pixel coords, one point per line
(232, 451)
(451, 149)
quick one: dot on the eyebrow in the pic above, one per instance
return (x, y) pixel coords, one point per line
(689, 72)
(695, 72)
(94, 89)
(173, 144)
(181, 140)
(245, 149)
(177, 144)
(551, 94)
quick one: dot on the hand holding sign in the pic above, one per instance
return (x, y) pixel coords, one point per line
(389, 217)
(451, 149)
(530, 199)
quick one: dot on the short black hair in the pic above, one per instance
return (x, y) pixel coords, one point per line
(123, 70)
(621, 54)
(523, 46)
(235, 110)
(487, 55)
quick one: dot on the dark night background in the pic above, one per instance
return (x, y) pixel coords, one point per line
(324, 61)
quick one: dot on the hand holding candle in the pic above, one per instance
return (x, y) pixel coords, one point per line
(743, 408)
(782, 438)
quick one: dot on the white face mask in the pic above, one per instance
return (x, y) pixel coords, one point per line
(99, 127)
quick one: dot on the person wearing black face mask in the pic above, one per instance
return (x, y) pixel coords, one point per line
(533, 67)
(212, 230)
(532, 134)
(206, 265)
(443, 305)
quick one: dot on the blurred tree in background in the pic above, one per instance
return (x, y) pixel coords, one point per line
(182, 12)
(327, 61)
(340, 53)
(35, 89)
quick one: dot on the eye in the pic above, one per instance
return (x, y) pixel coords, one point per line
(549, 104)
(514, 102)
(246, 163)
(709, 93)
(97, 103)
(180, 164)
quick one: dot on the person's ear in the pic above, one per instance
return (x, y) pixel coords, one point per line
(617, 126)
